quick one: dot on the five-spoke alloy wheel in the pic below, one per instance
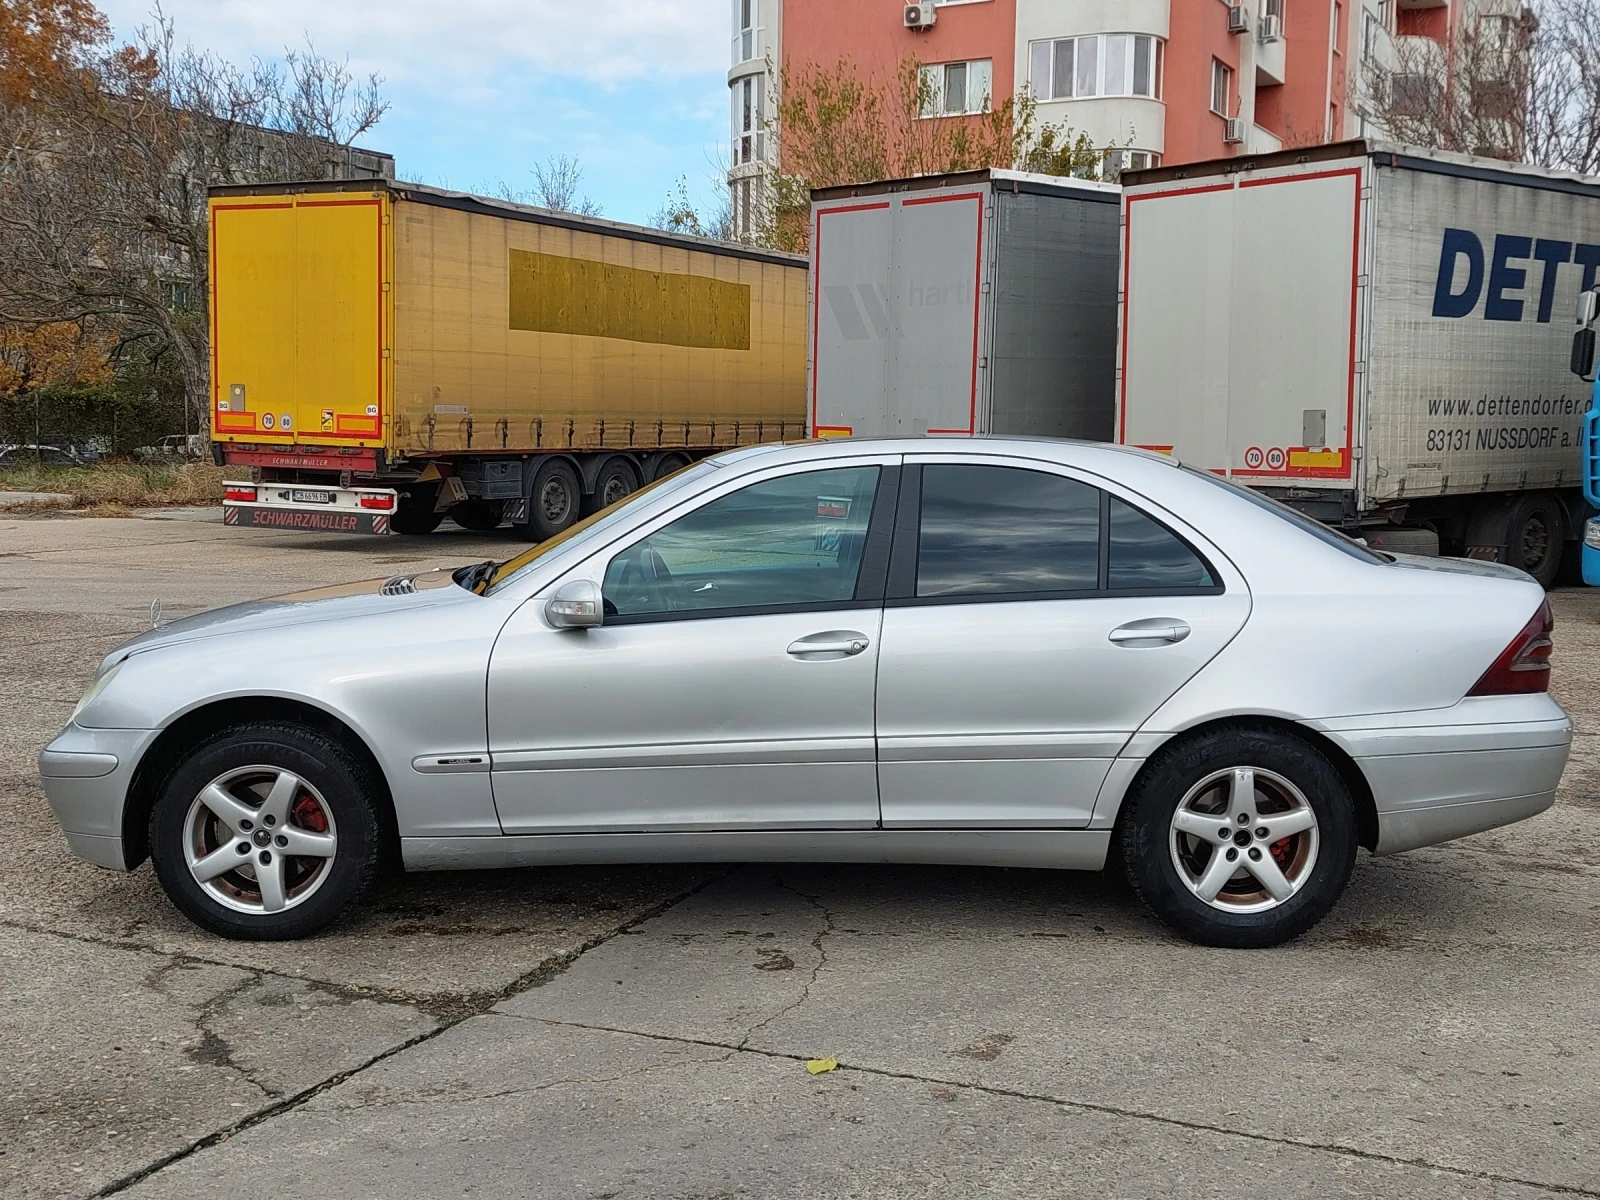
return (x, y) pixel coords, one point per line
(1239, 836)
(267, 831)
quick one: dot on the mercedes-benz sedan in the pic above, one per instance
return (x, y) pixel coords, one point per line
(944, 651)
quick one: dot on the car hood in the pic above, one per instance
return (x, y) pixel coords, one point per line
(363, 600)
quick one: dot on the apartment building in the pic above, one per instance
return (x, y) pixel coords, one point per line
(1162, 80)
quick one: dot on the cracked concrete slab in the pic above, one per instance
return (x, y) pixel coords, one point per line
(113, 1059)
(525, 1108)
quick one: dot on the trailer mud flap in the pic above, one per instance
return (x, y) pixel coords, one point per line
(319, 522)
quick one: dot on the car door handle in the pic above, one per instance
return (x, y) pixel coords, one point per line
(833, 643)
(1152, 630)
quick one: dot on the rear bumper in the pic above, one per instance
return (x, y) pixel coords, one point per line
(1436, 776)
(86, 773)
(342, 511)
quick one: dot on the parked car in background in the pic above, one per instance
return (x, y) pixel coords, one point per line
(31, 454)
(1012, 652)
(174, 445)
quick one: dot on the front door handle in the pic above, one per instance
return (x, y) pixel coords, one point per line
(832, 643)
(1152, 631)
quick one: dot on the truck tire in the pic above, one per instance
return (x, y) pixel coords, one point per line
(667, 464)
(553, 502)
(1536, 530)
(616, 481)
(414, 514)
(480, 516)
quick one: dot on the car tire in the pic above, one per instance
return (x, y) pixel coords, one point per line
(1296, 879)
(616, 480)
(554, 501)
(479, 516)
(415, 514)
(329, 803)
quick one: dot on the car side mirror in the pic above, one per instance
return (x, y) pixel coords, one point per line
(1583, 352)
(577, 604)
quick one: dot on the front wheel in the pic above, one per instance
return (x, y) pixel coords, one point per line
(1239, 837)
(267, 832)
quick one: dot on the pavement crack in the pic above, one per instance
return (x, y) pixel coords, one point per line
(477, 1004)
(828, 927)
(1344, 1150)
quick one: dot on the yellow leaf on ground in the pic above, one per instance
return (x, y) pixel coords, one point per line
(818, 1065)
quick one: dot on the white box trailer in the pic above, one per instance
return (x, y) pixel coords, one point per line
(971, 303)
(1378, 334)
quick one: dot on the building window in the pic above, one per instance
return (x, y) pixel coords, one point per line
(1369, 36)
(1221, 87)
(745, 43)
(749, 111)
(954, 89)
(744, 207)
(1272, 8)
(1118, 161)
(1112, 64)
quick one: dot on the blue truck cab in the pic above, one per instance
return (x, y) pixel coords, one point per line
(1583, 366)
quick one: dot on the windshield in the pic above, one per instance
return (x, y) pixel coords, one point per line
(602, 519)
(1294, 516)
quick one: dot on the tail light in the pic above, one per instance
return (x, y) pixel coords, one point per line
(246, 495)
(1524, 665)
(383, 502)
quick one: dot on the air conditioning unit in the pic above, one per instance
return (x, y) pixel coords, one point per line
(1233, 130)
(1270, 27)
(1238, 19)
(920, 16)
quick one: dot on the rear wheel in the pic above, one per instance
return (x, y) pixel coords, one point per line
(267, 832)
(1239, 837)
(480, 516)
(553, 501)
(667, 464)
(414, 514)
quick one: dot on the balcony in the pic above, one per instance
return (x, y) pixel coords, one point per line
(1261, 141)
(1270, 56)
(1424, 3)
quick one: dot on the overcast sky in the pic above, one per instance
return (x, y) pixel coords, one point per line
(480, 89)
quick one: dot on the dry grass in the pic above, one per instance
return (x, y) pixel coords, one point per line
(115, 486)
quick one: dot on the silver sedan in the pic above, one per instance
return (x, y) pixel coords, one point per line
(1008, 652)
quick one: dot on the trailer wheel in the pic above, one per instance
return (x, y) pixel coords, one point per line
(616, 481)
(414, 514)
(553, 501)
(480, 516)
(667, 464)
(1535, 533)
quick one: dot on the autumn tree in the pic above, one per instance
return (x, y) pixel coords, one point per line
(838, 126)
(103, 218)
(555, 186)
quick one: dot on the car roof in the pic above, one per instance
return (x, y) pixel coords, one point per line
(1102, 456)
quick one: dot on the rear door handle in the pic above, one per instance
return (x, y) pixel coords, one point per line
(1152, 631)
(832, 643)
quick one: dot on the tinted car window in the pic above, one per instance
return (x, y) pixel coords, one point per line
(794, 540)
(993, 530)
(1146, 554)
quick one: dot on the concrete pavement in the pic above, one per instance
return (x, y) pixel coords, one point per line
(644, 1032)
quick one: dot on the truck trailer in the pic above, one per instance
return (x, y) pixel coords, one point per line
(970, 303)
(1375, 334)
(386, 354)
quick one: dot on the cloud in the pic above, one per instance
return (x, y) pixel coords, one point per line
(453, 42)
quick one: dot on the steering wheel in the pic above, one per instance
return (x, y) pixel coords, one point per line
(642, 568)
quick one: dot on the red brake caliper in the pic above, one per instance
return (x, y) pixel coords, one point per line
(308, 814)
(1279, 849)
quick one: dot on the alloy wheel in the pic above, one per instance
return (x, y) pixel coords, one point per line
(1244, 839)
(259, 839)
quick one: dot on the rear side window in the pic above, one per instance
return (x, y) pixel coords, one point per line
(1002, 530)
(1146, 555)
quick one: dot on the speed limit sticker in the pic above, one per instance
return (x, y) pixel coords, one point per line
(1274, 459)
(1252, 457)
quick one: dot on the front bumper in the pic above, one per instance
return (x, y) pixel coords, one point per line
(86, 774)
(1441, 775)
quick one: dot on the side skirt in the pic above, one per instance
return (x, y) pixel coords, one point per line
(1077, 849)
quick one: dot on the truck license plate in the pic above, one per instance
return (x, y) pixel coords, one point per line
(307, 496)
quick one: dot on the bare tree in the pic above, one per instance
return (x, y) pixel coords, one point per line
(103, 215)
(1563, 115)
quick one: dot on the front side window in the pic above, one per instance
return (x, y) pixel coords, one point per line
(1004, 530)
(794, 541)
